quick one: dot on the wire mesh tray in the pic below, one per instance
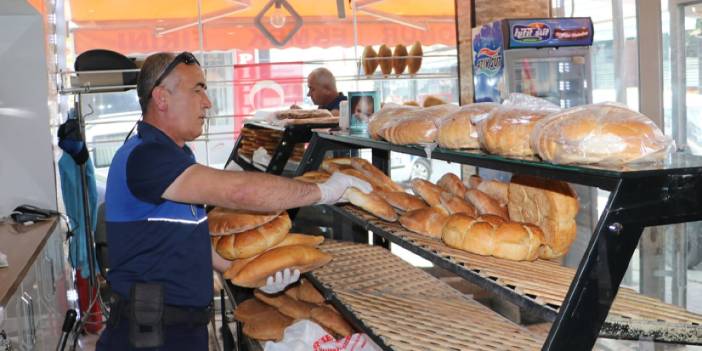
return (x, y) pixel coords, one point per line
(542, 285)
(404, 308)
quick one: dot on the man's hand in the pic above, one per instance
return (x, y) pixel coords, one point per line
(280, 280)
(333, 189)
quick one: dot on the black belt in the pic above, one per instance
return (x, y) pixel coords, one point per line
(172, 315)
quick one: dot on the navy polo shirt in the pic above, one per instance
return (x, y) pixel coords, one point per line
(334, 105)
(149, 238)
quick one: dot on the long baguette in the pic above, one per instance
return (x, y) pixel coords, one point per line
(300, 257)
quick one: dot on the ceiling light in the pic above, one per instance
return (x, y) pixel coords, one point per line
(277, 16)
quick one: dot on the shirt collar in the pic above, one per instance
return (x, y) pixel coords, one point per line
(148, 132)
(334, 105)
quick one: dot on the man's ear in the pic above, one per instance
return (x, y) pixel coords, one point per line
(158, 95)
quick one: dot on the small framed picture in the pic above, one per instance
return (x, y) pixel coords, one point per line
(362, 105)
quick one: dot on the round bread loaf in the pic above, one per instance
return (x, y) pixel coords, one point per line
(399, 59)
(506, 131)
(605, 133)
(414, 62)
(301, 257)
(385, 59)
(370, 63)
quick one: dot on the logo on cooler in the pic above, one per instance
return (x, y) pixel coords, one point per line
(533, 32)
(488, 61)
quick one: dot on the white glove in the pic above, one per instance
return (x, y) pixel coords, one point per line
(333, 189)
(280, 280)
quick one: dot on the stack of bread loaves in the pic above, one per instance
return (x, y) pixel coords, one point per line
(265, 317)
(259, 245)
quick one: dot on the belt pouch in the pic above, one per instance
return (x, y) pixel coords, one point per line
(146, 315)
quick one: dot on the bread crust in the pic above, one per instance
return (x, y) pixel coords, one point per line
(300, 257)
(224, 221)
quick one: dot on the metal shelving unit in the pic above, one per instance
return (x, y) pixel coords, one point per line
(640, 196)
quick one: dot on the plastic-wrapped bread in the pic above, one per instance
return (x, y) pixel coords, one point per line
(414, 62)
(457, 131)
(432, 100)
(606, 133)
(385, 59)
(506, 131)
(428, 221)
(399, 59)
(387, 114)
(370, 63)
(549, 204)
(510, 240)
(417, 127)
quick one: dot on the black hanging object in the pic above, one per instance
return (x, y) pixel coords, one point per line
(100, 60)
(71, 141)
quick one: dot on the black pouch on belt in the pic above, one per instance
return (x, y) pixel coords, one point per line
(146, 315)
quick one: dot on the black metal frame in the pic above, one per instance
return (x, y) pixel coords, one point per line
(638, 199)
(292, 135)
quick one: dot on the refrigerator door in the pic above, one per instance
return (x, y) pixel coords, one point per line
(559, 75)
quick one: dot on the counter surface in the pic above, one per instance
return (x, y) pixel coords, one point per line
(21, 244)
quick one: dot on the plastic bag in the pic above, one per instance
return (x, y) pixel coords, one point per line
(457, 130)
(417, 126)
(605, 133)
(386, 114)
(305, 335)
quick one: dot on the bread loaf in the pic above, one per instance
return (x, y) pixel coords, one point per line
(267, 326)
(224, 221)
(371, 203)
(314, 177)
(301, 257)
(411, 103)
(331, 165)
(301, 239)
(457, 131)
(386, 115)
(402, 200)
(485, 204)
(549, 204)
(399, 59)
(605, 133)
(376, 176)
(451, 183)
(429, 192)
(298, 113)
(370, 63)
(455, 204)
(330, 319)
(510, 240)
(432, 100)
(428, 221)
(252, 242)
(417, 126)
(376, 184)
(286, 305)
(473, 181)
(310, 120)
(414, 62)
(385, 59)
(506, 131)
(249, 309)
(236, 266)
(308, 293)
(496, 190)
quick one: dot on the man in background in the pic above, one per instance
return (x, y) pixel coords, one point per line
(321, 86)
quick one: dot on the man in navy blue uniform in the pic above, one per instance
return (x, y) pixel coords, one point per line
(157, 229)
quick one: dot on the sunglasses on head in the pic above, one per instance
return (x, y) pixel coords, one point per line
(184, 57)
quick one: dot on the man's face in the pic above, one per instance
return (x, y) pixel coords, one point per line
(315, 90)
(188, 101)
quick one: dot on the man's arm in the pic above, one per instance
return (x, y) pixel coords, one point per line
(240, 190)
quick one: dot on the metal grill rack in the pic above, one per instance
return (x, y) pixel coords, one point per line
(404, 308)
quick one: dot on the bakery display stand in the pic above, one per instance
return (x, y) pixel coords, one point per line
(640, 196)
